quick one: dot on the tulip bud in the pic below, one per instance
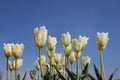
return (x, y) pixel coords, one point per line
(32, 74)
(50, 53)
(19, 64)
(10, 66)
(66, 39)
(59, 66)
(63, 61)
(77, 55)
(71, 58)
(52, 63)
(38, 67)
(40, 36)
(57, 58)
(7, 50)
(102, 40)
(52, 41)
(67, 50)
(18, 50)
(85, 60)
(42, 60)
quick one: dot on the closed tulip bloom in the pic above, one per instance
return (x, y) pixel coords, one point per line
(7, 50)
(77, 45)
(42, 60)
(77, 55)
(66, 38)
(57, 58)
(19, 64)
(63, 61)
(50, 53)
(59, 66)
(52, 41)
(85, 60)
(38, 67)
(10, 66)
(40, 36)
(102, 40)
(53, 63)
(67, 50)
(71, 58)
(83, 40)
(32, 74)
(18, 50)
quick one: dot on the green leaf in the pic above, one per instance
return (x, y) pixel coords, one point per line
(99, 77)
(45, 70)
(112, 75)
(85, 70)
(60, 75)
(81, 77)
(118, 79)
(91, 77)
(47, 76)
(24, 77)
(72, 75)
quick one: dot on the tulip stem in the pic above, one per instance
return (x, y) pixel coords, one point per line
(102, 66)
(10, 75)
(7, 69)
(77, 69)
(71, 67)
(81, 61)
(40, 62)
(15, 68)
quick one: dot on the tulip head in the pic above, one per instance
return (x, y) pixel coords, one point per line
(37, 65)
(52, 41)
(67, 50)
(40, 36)
(18, 50)
(32, 74)
(57, 58)
(85, 60)
(66, 39)
(50, 53)
(19, 64)
(71, 58)
(102, 40)
(77, 55)
(63, 61)
(7, 50)
(10, 66)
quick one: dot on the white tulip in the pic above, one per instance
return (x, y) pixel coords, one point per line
(10, 66)
(40, 36)
(19, 64)
(102, 40)
(52, 41)
(57, 58)
(85, 60)
(67, 50)
(71, 58)
(63, 61)
(7, 50)
(42, 60)
(66, 38)
(77, 55)
(38, 67)
(50, 53)
(18, 50)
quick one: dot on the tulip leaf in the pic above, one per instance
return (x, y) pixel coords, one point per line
(112, 75)
(18, 77)
(72, 75)
(85, 70)
(24, 77)
(47, 76)
(91, 77)
(60, 75)
(45, 70)
(81, 77)
(117, 79)
(99, 77)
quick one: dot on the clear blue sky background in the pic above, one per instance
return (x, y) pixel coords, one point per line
(19, 18)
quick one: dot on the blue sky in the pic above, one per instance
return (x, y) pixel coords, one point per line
(19, 18)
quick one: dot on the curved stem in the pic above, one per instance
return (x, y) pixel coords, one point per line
(7, 69)
(102, 66)
(77, 69)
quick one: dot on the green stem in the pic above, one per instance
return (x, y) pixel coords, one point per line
(7, 69)
(10, 75)
(102, 66)
(71, 67)
(16, 69)
(81, 61)
(40, 63)
(77, 69)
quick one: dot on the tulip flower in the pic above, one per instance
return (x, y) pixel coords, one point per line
(67, 50)
(42, 60)
(19, 64)
(63, 61)
(7, 52)
(18, 50)
(53, 63)
(71, 58)
(37, 65)
(50, 53)
(102, 40)
(85, 60)
(52, 41)
(57, 58)
(40, 36)
(10, 68)
(32, 74)
(66, 39)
